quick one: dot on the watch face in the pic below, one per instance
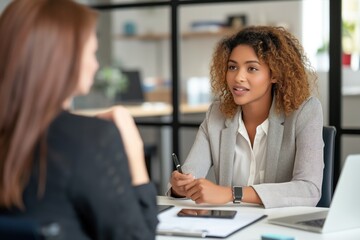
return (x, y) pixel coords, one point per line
(237, 191)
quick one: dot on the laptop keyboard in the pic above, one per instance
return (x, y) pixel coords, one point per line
(313, 223)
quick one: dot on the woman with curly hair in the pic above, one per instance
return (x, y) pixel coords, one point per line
(263, 134)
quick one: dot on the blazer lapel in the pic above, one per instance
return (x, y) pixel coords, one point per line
(274, 142)
(227, 146)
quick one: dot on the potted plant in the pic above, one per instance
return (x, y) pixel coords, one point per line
(110, 81)
(348, 45)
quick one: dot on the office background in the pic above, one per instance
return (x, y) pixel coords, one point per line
(170, 44)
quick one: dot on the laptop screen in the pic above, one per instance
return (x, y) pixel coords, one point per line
(133, 93)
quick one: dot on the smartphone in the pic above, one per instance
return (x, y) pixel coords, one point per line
(206, 213)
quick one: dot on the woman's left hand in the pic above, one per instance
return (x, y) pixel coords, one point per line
(204, 191)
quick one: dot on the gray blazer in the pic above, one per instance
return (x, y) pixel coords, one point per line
(294, 161)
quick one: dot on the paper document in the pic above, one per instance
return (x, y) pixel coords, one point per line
(171, 224)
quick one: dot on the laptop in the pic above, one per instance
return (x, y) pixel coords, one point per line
(344, 209)
(134, 93)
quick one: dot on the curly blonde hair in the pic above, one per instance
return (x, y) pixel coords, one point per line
(284, 55)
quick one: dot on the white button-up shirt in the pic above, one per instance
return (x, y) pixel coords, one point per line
(249, 162)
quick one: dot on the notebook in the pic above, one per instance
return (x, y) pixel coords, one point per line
(173, 225)
(344, 209)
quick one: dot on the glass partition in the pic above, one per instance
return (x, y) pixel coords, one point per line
(350, 63)
(349, 145)
(202, 26)
(134, 57)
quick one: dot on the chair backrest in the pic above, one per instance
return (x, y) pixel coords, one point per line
(12, 228)
(329, 133)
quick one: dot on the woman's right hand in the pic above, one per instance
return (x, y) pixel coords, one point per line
(132, 141)
(178, 182)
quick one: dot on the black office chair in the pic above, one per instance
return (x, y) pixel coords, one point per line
(24, 229)
(150, 151)
(329, 133)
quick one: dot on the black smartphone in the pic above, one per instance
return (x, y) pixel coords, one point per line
(207, 213)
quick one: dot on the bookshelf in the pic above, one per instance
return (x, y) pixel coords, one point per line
(184, 35)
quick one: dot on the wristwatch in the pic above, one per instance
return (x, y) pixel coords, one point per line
(237, 194)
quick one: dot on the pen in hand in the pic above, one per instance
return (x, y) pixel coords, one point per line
(177, 163)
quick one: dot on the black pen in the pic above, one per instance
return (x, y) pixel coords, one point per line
(176, 162)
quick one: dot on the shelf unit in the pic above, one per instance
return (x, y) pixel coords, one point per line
(184, 35)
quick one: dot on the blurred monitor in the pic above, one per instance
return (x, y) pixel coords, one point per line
(134, 93)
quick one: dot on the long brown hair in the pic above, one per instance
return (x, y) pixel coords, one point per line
(284, 55)
(40, 55)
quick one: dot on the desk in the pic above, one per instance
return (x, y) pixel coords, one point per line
(149, 109)
(254, 232)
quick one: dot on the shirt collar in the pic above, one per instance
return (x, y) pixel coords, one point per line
(264, 125)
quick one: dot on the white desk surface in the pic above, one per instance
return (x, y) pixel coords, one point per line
(148, 109)
(254, 231)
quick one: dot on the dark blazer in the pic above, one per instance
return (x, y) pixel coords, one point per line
(88, 184)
